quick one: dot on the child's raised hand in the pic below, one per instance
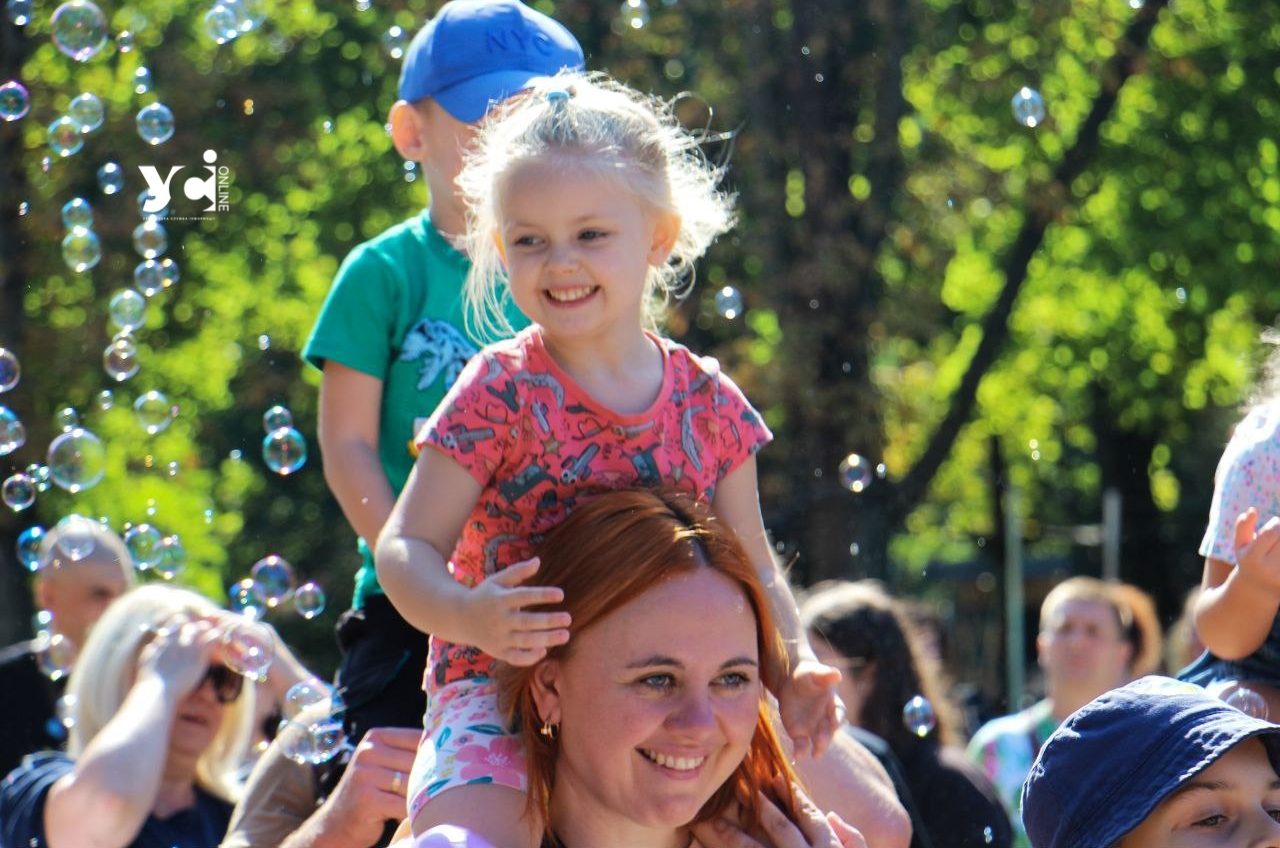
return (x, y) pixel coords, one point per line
(1258, 551)
(811, 711)
(500, 625)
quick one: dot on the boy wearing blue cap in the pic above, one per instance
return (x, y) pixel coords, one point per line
(390, 337)
(1156, 764)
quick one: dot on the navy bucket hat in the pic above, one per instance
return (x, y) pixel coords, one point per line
(1112, 761)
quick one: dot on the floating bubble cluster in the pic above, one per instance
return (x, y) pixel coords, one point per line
(1028, 107)
(15, 102)
(77, 460)
(919, 717)
(79, 29)
(855, 473)
(39, 475)
(311, 732)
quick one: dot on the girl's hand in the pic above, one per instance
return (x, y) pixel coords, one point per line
(500, 625)
(179, 653)
(811, 712)
(814, 830)
(1258, 551)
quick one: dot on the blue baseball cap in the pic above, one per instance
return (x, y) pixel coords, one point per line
(1113, 760)
(475, 53)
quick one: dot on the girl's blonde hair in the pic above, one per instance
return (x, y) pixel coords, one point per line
(607, 128)
(101, 678)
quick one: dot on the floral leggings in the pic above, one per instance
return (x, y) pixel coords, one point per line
(463, 743)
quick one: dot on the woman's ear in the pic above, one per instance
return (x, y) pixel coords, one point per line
(546, 691)
(666, 229)
(406, 131)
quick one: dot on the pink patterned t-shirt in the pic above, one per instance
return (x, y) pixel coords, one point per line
(537, 442)
(1248, 476)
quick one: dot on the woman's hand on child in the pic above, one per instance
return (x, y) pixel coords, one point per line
(501, 625)
(1258, 551)
(811, 711)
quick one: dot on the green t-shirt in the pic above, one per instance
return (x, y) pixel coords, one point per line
(395, 312)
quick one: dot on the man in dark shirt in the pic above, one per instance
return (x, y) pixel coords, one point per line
(33, 673)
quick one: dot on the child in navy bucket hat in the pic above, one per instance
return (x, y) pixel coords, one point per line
(1156, 764)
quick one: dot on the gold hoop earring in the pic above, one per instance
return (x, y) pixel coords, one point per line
(549, 730)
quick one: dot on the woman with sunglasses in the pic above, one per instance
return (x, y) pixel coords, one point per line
(160, 726)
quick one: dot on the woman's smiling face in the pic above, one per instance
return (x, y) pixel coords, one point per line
(657, 704)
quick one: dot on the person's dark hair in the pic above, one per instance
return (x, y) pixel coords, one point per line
(863, 623)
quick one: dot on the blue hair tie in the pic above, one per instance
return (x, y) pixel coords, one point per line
(557, 97)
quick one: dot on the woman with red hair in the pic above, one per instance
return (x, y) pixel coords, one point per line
(651, 724)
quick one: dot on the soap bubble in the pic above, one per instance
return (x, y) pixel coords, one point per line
(77, 212)
(635, 13)
(919, 717)
(248, 647)
(146, 201)
(284, 451)
(143, 542)
(18, 12)
(141, 85)
(81, 249)
(150, 239)
(311, 743)
(273, 580)
(327, 739)
(87, 111)
(729, 303)
(65, 710)
(1028, 107)
(64, 137)
(154, 412)
(309, 600)
(15, 102)
(171, 557)
(276, 417)
(124, 41)
(1248, 702)
(243, 599)
(18, 492)
(110, 178)
(28, 548)
(128, 309)
(172, 469)
(312, 697)
(151, 275)
(55, 654)
(155, 123)
(10, 370)
(76, 536)
(251, 13)
(39, 475)
(120, 359)
(221, 24)
(105, 399)
(79, 29)
(394, 41)
(988, 835)
(77, 460)
(264, 342)
(855, 473)
(13, 434)
(66, 419)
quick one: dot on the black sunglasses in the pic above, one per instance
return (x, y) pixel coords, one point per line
(227, 685)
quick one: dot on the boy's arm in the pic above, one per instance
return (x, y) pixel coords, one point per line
(1238, 604)
(350, 406)
(806, 690)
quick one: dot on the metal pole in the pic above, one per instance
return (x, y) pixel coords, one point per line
(1014, 638)
(1111, 502)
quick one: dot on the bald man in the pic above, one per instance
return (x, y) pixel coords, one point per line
(75, 592)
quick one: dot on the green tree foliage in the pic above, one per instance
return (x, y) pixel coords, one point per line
(883, 187)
